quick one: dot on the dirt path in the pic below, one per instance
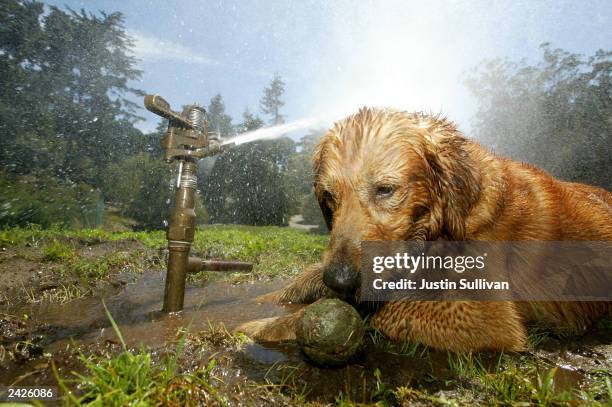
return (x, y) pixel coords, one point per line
(295, 222)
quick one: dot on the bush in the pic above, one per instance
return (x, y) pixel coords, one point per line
(47, 201)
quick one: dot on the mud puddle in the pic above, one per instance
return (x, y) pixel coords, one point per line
(136, 310)
(36, 332)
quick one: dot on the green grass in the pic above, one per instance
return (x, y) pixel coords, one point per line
(90, 271)
(35, 236)
(514, 380)
(411, 349)
(58, 251)
(275, 251)
(132, 378)
(599, 388)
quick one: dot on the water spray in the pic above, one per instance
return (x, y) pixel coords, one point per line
(267, 133)
(186, 141)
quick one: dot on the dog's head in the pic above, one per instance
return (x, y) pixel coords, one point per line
(388, 175)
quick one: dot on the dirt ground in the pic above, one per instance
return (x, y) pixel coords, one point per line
(51, 317)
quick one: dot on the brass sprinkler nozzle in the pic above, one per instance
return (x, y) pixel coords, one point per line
(185, 141)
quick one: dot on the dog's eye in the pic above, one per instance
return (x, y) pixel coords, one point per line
(384, 191)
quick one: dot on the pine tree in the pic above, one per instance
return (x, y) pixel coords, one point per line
(250, 122)
(218, 121)
(271, 102)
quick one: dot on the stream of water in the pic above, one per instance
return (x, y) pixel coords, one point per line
(267, 133)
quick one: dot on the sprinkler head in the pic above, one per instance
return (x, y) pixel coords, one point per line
(187, 137)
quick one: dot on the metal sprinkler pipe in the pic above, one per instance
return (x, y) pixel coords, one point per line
(185, 141)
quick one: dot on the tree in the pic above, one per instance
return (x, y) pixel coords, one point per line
(138, 180)
(64, 104)
(26, 127)
(218, 120)
(556, 114)
(300, 164)
(64, 109)
(271, 102)
(248, 184)
(250, 122)
(88, 63)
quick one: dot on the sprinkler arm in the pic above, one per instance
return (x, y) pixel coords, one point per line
(158, 105)
(185, 141)
(196, 264)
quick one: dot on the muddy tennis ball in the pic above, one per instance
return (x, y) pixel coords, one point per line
(330, 332)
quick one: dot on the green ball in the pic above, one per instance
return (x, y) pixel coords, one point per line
(330, 332)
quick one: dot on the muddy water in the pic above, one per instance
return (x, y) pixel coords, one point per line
(136, 310)
(566, 377)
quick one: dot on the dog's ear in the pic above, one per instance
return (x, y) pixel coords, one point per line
(456, 182)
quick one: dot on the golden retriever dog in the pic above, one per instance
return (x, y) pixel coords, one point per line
(392, 175)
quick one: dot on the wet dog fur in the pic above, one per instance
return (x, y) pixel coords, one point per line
(391, 175)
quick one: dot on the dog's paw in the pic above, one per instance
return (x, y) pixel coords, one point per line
(253, 329)
(268, 330)
(275, 297)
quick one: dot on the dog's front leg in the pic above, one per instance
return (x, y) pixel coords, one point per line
(276, 329)
(306, 288)
(460, 326)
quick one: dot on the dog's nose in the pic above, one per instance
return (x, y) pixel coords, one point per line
(343, 278)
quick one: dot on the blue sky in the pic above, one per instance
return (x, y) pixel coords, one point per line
(338, 55)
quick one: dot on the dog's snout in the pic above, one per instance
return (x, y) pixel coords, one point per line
(341, 277)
